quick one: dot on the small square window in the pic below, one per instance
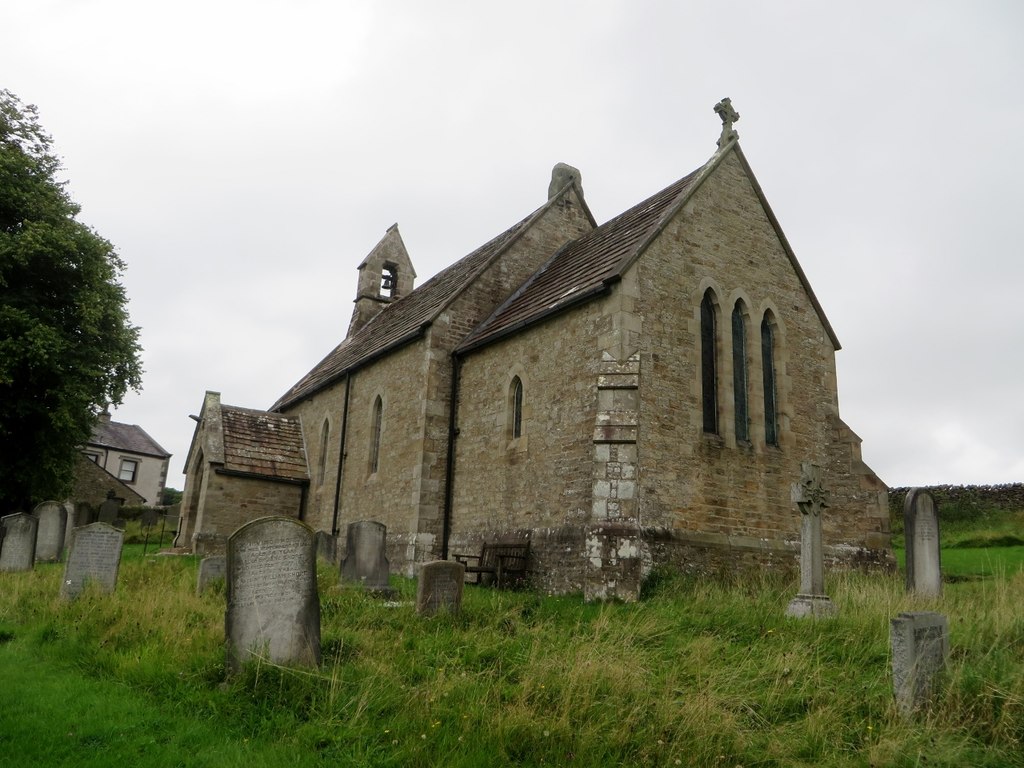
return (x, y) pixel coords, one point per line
(93, 457)
(127, 472)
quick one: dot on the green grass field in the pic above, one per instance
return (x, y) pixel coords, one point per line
(700, 672)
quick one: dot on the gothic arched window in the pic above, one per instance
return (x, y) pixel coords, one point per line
(709, 362)
(739, 372)
(325, 432)
(516, 408)
(378, 413)
(771, 415)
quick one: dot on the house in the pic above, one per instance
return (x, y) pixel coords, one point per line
(629, 394)
(128, 453)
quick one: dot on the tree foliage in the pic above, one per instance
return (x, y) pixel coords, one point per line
(67, 346)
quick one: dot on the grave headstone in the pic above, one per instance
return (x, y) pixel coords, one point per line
(920, 645)
(53, 522)
(211, 569)
(149, 517)
(921, 531)
(327, 547)
(18, 552)
(811, 498)
(365, 562)
(440, 587)
(94, 557)
(273, 608)
(110, 509)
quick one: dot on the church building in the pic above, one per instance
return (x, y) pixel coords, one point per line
(625, 395)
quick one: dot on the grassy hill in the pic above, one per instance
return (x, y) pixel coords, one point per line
(700, 672)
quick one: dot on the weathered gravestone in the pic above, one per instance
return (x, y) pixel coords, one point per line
(110, 509)
(811, 498)
(365, 562)
(921, 531)
(18, 552)
(273, 608)
(327, 547)
(211, 569)
(440, 587)
(53, 522)
(920, 645)
(94, 556)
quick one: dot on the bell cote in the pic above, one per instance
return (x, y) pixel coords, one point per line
(386, 275)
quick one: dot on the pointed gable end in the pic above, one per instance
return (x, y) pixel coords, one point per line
(589, 266)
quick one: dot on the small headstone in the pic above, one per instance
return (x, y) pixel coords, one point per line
(110, 509)
(94, 556)
(327, 547)
(811, 498)
(19, 544)
(212, 568)
(920, 645)
(273, 608)
(149, 517)
(365, 562)
(53, 522)
(440, 587)
(921, 531)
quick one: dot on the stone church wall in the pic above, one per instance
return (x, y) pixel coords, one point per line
(229, 502)
(723, 486)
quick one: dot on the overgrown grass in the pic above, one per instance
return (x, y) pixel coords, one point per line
(700, 672)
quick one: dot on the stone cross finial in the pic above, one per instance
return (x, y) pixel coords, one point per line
(729, 116)
(809, 494)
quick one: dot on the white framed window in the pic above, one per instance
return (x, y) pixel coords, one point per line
(127, 472)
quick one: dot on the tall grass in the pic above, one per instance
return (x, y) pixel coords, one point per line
(700, 672)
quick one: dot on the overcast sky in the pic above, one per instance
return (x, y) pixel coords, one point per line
(244, 157)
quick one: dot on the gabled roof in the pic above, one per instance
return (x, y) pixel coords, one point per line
(130, 438)
(586, 267)
(265, 444)
(408, 318)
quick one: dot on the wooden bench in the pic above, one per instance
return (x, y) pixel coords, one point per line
(499, 563)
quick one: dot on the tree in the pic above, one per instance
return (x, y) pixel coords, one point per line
(67, 346)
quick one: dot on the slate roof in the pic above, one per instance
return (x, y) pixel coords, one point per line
(126, 437)
(406, 319)
(584, 268)
(264, 444)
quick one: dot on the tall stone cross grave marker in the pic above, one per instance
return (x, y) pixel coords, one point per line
(811, 498)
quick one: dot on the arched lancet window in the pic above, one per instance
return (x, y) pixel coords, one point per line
(325, 432)
(771, 415)
(378, 413)
(516, 407)
(739, 372)
(709, 362)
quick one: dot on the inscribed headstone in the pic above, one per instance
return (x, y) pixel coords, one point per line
(365, 562)
(19, 544)
(920, 645)
(440, 587)
(921, 531)
(811, 498)
(211, 569)
(273, 608)
(94, 556)
(53, 522)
